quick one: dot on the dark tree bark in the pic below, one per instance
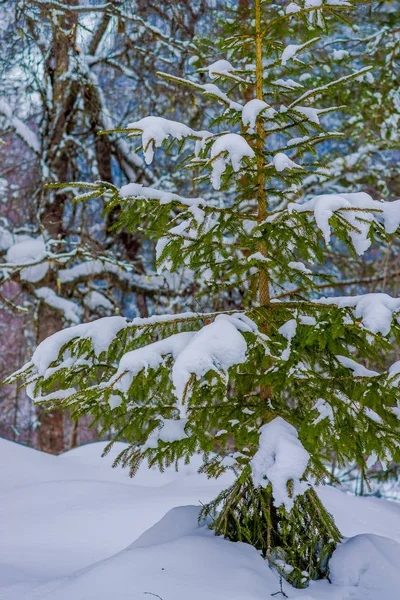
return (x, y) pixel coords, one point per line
(50, 435)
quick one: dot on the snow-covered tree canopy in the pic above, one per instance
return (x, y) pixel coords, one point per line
(69, 57)
(283, 379)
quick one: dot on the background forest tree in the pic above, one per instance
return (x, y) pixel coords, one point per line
(69, 71)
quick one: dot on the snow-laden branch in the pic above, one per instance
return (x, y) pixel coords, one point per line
(68, 8)
(102, 332)
(216, 347)
(327, 86)
(24, 132)
(358, 212)
(71, 311)
(156, 130)
(208, 89)
(31, 259)
(375, 310)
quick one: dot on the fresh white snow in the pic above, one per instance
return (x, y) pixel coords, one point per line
(71, 310)
(281, 162)
(280, 458)
(220, 67)
(230, 148)
(73, 528)
(309, 112)
(359, 209)
(101, 333)
(28, 251)
(358, 370)
(299, 266)
(292, 8)
(291, 50)
(6, 239)
(376, 310)
(155, 130)
(289, 84)
(95, 300)
(137, 190)
(21, 129)
(216, 347)
(288, 330)
(252, 109)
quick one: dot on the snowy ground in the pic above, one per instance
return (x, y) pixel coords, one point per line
(72, 528)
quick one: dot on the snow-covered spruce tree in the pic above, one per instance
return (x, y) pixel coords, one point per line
(271, 389)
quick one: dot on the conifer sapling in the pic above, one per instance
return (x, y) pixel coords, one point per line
(270, 388)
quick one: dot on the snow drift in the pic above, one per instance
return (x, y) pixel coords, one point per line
(72, 528)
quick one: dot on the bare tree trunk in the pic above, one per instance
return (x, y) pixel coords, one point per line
(50, 435)
(50, 424)
(74, 435)
(50, 431)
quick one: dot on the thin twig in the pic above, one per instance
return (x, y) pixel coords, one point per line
(151, 594)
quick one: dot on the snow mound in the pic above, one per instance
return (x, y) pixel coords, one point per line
(176, 560)
(370, 564)
(178, 522)
(73, 528)
(59, 514)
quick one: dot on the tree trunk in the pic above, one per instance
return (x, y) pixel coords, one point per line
(50, 424)
(50, 435)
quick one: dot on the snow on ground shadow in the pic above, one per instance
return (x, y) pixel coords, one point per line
(72, 528)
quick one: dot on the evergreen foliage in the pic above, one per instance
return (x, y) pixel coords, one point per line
(208, 382)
